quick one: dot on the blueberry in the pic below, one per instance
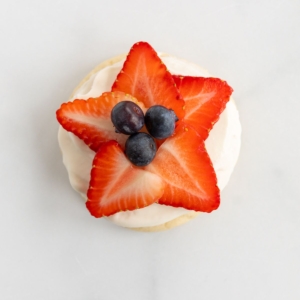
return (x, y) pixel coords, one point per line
(127, 117)
(160, 121)
(140, 149)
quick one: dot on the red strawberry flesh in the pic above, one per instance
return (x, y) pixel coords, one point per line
(90, 119)
(186, 168)
(116, 185)
(145, 77)
(205, 99)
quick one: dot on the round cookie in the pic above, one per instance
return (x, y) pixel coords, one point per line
(169, 224)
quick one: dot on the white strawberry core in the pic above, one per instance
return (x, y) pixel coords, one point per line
(223, 146)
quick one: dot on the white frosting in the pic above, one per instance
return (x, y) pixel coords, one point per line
(223, 145)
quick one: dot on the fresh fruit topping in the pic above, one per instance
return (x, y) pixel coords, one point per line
(205, 99)
(145, 77)
(116, 185)
(127, 117)
(140, 149)
(90, 119)
(185, 166)
(160, 121)
(180, 172)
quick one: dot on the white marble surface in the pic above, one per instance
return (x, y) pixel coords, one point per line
(52, 249)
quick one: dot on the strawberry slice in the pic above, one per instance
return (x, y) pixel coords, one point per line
(116, 185)
(184, 164)
(90, 119)
(205, 99)
(145, 77)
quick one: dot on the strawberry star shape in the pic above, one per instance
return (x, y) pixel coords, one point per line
(181, 174)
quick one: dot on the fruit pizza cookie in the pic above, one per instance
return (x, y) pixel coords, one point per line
(149, 140)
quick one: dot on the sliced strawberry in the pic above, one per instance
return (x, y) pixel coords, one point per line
(90, 119)
(145, 77)
(205, 99)
(184, 164)
(116, 185)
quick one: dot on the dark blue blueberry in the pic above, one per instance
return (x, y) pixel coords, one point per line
(140, 149)
(127, 117)
(160, 121)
